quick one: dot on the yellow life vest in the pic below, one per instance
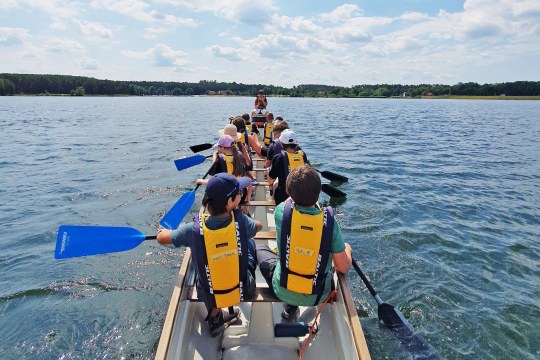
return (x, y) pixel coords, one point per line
(268, 127)
(221, 259)
(228, 159)
(294, 160)
(243, 139)
(305, 249)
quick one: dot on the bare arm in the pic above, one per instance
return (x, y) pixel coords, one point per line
(247, 160)
(343, 260)
(201, 182)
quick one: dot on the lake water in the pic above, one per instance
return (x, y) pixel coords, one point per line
(443, 212)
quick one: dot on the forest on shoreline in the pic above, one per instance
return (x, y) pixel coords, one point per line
(44, 84)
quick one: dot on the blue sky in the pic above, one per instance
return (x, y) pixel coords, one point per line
(275, 42)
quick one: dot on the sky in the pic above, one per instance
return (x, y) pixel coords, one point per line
(283, 43)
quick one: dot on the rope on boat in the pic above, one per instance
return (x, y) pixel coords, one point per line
(314, 328)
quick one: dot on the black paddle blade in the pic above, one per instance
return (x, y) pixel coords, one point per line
(392, 317)
(200, 147)
(334, 177)
(404, 332)
(332, 191)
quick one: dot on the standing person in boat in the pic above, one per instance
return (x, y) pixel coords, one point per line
(283, 163)
(260, 104)
(316, 237)
(223, 250)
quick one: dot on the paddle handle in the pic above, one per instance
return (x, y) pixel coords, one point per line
(204, 177)
(366, 281)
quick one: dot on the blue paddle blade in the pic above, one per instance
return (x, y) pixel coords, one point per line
(188, 162)
(174, 217)
(75, 241)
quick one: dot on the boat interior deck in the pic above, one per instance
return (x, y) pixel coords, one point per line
(186, 335)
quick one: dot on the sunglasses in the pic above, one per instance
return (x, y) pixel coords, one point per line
(237, 191)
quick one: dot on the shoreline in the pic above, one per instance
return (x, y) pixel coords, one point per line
(443, 97)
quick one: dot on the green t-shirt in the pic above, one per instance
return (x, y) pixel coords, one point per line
(337, 246)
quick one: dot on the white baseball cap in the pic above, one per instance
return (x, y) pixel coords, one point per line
(288, 137)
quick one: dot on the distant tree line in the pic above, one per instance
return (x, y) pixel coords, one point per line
(36, 84)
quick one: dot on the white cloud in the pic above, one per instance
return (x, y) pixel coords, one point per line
(342, 13)
(13, 36)
(8, 4)
(351, 34)
(161, 54)
(414, 16)
(141, 11)
(373, 50)
(226, 53)
(404, 43)
(286, 24)
(89, 64)
(58, 8)
(93, 30)
(60, 26)
(238, 11)
(154, 33)
(61, 45)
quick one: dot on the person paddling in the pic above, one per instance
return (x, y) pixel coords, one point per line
(223, 249)
(267, 130)
(284, 162)
(275, 147)
(316, 238)
(228, 160)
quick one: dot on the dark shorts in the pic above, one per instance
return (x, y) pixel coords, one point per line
(280, 195)
(254, 129)
(267, 260)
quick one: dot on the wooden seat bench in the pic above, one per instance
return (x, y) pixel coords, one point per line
(262, 203)
(263, 235)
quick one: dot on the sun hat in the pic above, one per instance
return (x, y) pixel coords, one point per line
(288, 137)
(225, 141)
(223, 185)
(231, 130)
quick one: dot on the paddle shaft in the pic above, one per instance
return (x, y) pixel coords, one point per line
(366, 281)
(150, 237)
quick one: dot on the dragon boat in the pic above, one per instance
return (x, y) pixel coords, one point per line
(261, 333)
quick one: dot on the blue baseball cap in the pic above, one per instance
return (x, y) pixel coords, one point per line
(223, 185)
